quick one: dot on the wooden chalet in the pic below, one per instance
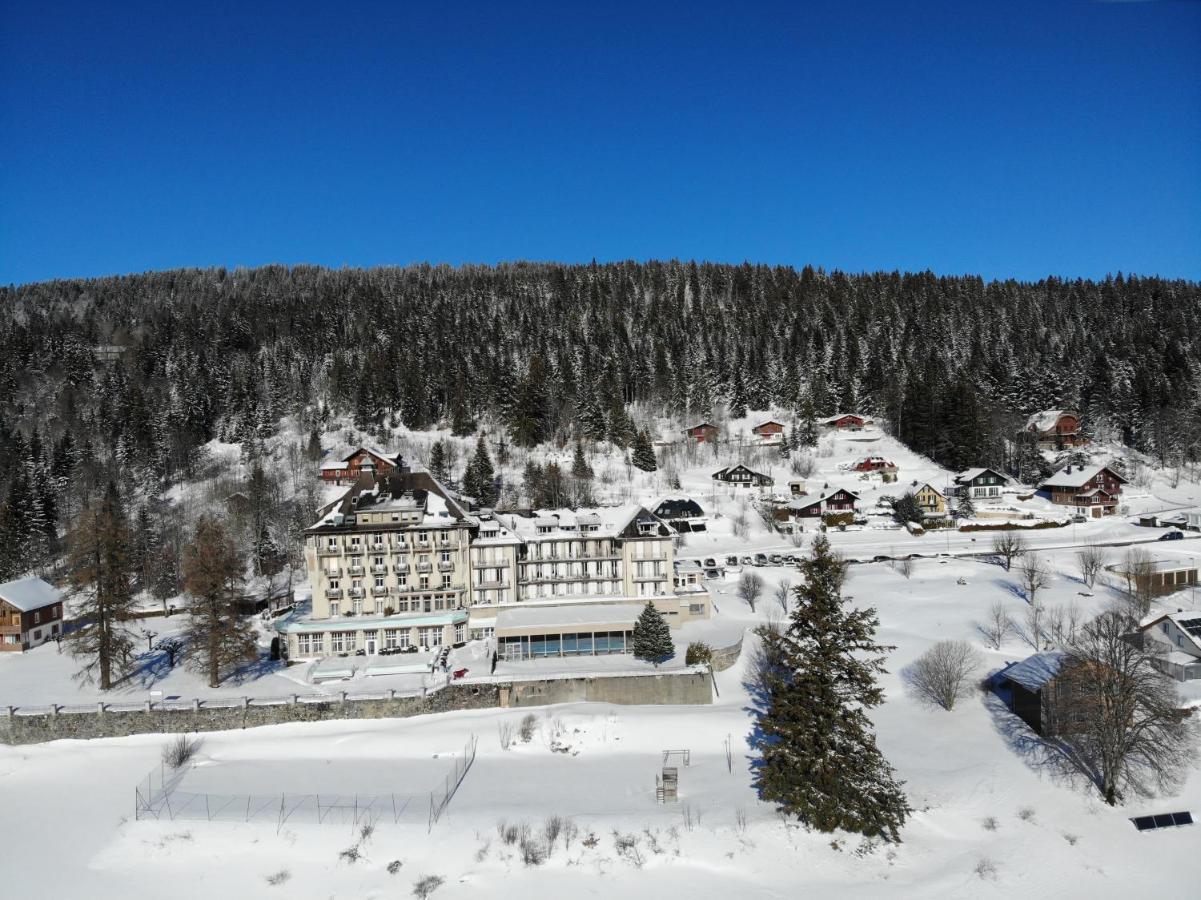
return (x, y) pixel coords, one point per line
(704, 433)
(31, 613)
(845, 421)
(364, 459)
(835, 502)
(1096, 489)
(1055, 429)
(741, 476)
(872, 464)
(769, 432)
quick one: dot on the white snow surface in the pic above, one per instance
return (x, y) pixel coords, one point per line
(67, 817)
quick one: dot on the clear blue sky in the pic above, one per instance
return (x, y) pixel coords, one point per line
(1001, 138)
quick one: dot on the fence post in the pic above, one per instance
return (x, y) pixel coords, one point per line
(195, 704)
(149, 704)
(100, 708)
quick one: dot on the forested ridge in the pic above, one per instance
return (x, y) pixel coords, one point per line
(546, 350)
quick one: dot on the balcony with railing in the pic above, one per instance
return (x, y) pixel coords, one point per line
(333, 594)
(379, 591)
(425, 567)
(355, 570)
(332, 572)
(491, 585)
(356, 593)
(379, 569)
(446, 565)
(329, 551)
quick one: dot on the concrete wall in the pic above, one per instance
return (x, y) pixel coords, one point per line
(666, 688)
(679, 688)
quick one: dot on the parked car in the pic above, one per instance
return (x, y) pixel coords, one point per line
(761, 559)
(731, 560)
(789, 558)
(776, 559)
(1079, 518)
(713, 573)
(710, 562)
(746, 561)
(1172, 536)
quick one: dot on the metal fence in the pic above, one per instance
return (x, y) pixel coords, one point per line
(158, 796)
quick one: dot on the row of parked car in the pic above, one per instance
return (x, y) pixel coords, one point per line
(713, 568)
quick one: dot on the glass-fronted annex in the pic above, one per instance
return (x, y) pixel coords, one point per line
(537, 646)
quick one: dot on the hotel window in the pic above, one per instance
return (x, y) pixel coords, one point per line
(334, 584)
(379, 561)
(335, 608)
(445, 556)
(331, 543)
(379, 581)
(402, 579)
(424, 582)
(37, 617)
(446, 582)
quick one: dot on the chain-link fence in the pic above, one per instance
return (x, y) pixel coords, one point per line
(159, 796)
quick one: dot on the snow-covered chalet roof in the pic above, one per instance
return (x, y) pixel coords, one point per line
(28, 594)
(1035, 671)
(1078, 476)
(1047, 419)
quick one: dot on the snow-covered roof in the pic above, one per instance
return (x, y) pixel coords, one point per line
(573, 615)
(972, 474)
(1035, 671)
(28, 594)
(1076, 476)
(603, 521)
(1047, 419)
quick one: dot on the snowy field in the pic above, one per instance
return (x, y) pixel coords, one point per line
(69, 809)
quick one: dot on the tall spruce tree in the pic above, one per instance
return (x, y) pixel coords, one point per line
(644, 454)
(480, 479)
(818, 756)
(101, 575)
(652, 636)
(218, 638)
(579, 464)
(437, 464)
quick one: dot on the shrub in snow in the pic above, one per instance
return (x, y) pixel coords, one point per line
(526, 731)
(986, 869)
(278, 878)
(698, 652)
(177, 753)
(394, 866)
(427, 885)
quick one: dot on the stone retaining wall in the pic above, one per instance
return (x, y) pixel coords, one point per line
(724, 657)
(666, 688)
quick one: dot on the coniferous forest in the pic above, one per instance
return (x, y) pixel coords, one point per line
(547, 351)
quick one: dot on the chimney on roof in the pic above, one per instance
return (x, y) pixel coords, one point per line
(1068, 470)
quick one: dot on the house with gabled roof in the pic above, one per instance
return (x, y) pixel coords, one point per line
(742, 476)
(1096, 489)
(845, 421)
(31, 613)
(1055, 429)
(363, 459)
(702, 433)
(931, 500)
(769, 432)
(980, 483)
(1178, 635)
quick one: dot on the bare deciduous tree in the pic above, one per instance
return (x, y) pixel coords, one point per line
(1119, 714)
(784, 594)
(943, 674)
(750, 587)
(905, 566)
(1033, 575)
(1092, 561)
(1008, 545)
(1138, 569)
(1035, 614)
(998, 625)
